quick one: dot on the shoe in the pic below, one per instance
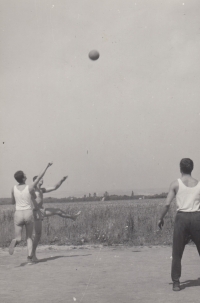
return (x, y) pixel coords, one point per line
(30, 261)
(35, 259)
(176, 286)
(12, 246)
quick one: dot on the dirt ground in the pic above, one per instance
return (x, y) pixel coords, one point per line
(97, 274)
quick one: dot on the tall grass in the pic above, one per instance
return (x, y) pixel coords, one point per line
(117, 222)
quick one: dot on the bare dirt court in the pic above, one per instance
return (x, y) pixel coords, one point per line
(97, 274)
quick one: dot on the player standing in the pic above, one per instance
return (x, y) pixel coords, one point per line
(187, 221)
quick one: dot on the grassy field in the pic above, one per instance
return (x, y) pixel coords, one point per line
(116, 222)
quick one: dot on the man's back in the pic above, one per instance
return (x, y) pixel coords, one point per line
(188, 195)
(186, 180)
(22, 197)
(189, 181)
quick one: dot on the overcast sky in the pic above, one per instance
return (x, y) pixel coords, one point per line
(122, 122)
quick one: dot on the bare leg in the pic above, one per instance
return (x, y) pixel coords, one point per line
(59, 212)
(38, 232)
(29, 232)
(17, 239)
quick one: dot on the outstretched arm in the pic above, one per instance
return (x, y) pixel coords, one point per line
(39, 177)
(170, 197)
(56, 186)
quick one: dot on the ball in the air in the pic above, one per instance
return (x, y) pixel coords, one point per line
(94, 55)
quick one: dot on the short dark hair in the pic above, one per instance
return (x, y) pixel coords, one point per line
(34, 178)
(186, 165)
(19, 176)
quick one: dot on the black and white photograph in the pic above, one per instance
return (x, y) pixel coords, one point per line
(99, 151)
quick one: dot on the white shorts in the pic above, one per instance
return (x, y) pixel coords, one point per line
(23, 217)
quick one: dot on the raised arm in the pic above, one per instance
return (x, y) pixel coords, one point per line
(171, 194)
(13, 197)
(39, 177)
(56, 186)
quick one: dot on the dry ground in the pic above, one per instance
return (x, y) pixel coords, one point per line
(97, 274)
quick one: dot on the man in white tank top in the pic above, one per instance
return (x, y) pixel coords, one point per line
(22, 197)
(187, 221)
(40, 212)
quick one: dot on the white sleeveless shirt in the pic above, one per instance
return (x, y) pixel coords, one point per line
(188, 198)
(22, 198)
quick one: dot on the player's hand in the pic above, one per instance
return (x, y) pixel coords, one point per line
(49, 164)
(160, 223)
(64, 178)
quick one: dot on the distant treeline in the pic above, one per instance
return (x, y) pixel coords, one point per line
(105, 197)
(4, 201)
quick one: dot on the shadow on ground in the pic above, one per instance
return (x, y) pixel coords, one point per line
(190, 283)
(51, 259)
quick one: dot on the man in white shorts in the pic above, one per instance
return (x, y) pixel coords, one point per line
(187, 221)
(22, 197)
(40, 212)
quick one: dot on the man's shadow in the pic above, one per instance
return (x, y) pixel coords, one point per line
(51, 259)
(190, 283)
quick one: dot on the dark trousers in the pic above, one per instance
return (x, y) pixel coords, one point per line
(187, 224)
